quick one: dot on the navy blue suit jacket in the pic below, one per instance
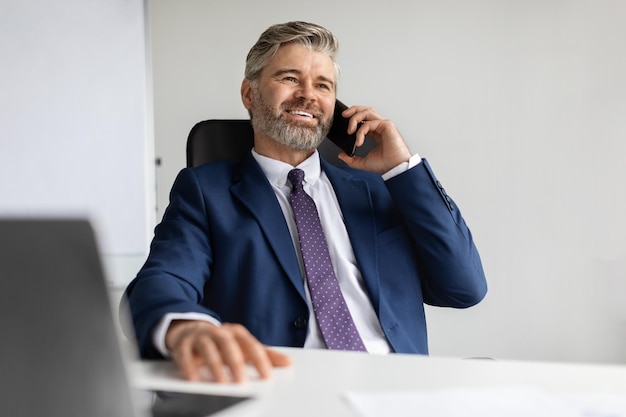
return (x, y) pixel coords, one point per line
(224, 248)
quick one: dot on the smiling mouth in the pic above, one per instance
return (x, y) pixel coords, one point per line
(301, 113)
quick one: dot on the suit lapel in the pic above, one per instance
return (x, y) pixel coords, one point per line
(355, 201)
(251, 188)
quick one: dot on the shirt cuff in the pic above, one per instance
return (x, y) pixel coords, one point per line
(403, 167)
(158, 336)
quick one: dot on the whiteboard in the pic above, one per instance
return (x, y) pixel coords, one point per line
(74, 133)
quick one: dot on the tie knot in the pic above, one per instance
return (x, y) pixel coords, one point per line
(296, 176)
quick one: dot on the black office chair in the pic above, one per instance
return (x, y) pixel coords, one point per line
(215, 140)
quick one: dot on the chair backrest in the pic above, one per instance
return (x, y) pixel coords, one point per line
(216, 139)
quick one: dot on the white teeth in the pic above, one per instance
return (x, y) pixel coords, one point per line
(301, 113)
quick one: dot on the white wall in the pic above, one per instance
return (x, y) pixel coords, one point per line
(520, 106)
(75, 128)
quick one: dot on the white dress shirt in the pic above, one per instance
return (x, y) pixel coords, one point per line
(318, 186)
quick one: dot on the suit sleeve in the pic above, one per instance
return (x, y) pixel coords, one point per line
(178, 266)
(450, 267)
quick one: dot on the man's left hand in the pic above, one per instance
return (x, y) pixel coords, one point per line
(391, 150)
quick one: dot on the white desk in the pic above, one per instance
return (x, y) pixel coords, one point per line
(329, 375)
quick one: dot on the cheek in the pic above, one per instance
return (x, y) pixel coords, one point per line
(276, 98)
(328, 106)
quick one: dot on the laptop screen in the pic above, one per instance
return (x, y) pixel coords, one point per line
(60, 355)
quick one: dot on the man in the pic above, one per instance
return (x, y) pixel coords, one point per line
(230, 269)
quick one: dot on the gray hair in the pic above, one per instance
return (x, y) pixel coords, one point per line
(310, 35)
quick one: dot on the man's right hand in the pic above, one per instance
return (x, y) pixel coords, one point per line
(225, 350)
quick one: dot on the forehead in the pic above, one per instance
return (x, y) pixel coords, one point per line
(302, 59)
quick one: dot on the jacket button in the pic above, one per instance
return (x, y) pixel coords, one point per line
(300, 323)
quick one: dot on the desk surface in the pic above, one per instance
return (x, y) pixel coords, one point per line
(329, 375)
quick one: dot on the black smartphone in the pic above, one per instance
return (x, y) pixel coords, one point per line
(338, 132)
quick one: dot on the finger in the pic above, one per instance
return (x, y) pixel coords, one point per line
(355, 123)
(254, 351)
(347, 113)
(351, 161)
(233, 358)
(361, 132)
(211, 354)
(365, 129)
(357, 115)
(365, 110)
(278, 359)
(183, 357)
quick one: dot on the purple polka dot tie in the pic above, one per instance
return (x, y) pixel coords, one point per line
(331, 311)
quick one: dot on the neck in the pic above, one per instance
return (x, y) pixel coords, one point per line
(268, 147)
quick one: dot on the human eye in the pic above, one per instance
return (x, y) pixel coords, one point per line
(325, 86)
(290, 79)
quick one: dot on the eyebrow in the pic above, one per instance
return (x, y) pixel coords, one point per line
(298, 72)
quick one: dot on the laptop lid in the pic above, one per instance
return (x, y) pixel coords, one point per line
(59, 350)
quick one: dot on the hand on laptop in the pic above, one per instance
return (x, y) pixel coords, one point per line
(225, 350)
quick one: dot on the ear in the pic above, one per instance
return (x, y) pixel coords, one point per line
(246, 93)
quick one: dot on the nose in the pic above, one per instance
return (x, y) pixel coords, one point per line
(305, 91)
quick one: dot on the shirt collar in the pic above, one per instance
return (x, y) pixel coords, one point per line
(276, 171)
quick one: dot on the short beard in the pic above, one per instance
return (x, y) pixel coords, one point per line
(292, 134)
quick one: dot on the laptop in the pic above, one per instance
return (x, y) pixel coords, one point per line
(60, 353)
(59, 350)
